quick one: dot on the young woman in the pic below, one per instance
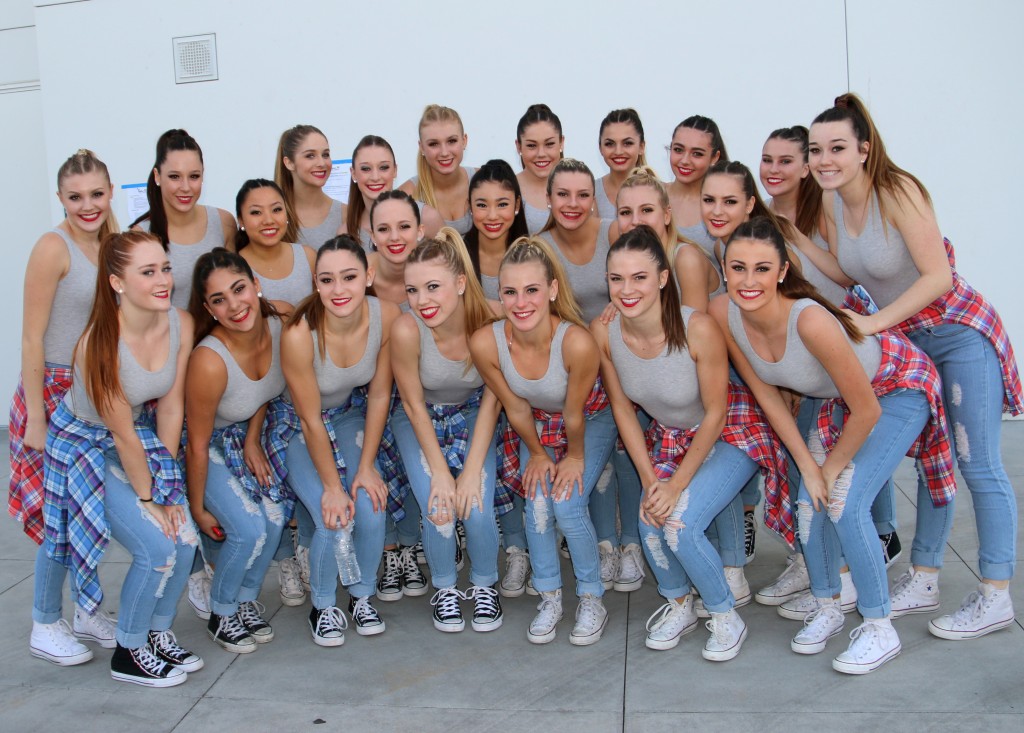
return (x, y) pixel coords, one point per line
(883, 230)
(336, 362)
(234, 466)
(704, 442)
(301, 170)
(60, 282)
(447, 418)
(373, 173)
(539, 142)
(622, 145)
(440, 180)
(108, 471)
(499, 219)
(541, 363)
(185, 228)
(696, 145)
(783, 334)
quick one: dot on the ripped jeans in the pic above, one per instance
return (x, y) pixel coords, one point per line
(849, 530)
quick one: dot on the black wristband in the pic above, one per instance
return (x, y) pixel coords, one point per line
(146, 501)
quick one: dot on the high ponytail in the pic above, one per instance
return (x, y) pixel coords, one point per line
(85, 161)
(171, 141)
(535, 249)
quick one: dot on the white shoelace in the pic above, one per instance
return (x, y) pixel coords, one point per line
(548, 612)
(392, 567)
(251, 613)
(660, 616)
(62, 636)
(973, 608)
(720, 628)
(407, 561)
(485, 599)
(145, 658)
(232, 628)
(515, 568)
(363, 612)
(589, 611)
(631, 555)
(446, 600)
(166, 643)
(331, 619)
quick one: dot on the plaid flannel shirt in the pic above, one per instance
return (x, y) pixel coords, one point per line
(452, 429)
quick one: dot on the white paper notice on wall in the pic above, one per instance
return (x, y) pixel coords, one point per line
(135, 201)
(339, 181)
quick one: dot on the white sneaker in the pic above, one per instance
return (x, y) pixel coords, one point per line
(737, 584)
(517, 568)
(669, 623)
(872, 644)
(631, 569)
(819, 626)
(289, 575)
(793, 581)
(798, 607)
(99, 627)
(199, 593)
(727, 634)
(302, 556)
(985, 610)
(914, 592)
(609, 563)
(549, 613)
(55, 643)
(591, 618)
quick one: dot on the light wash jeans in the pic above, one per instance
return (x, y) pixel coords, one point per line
(368, 536)
(439, 542)
(406, 532)
(848, 530)
(714, 489)
(617, 492)
(572, 515)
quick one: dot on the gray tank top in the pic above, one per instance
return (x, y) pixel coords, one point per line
(878, 259)
(699, 233)
(315, 236)
(666, 386)
(183, 257)
(721, 281)
(832, 291)
(243, 396)
(535, 218)
(490, 286)
(72, 303)
(336, 383)
(139, 385)
(445, 382)
(589, 282)
(798, 369)
(298, 283)
(546, 393)
(605, 206)
(464, 222)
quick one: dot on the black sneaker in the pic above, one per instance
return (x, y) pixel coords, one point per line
(251, 614)
(563, 548)
(486, 607)
(460, 531)
(166, 647)
(389, 585)
(230, 633)
(460, 560)
(447, 613)
(749, 533)
(414, 583)
(368, 622)
(421, 556)
(328, 626)
(142, 667)
(891, 548)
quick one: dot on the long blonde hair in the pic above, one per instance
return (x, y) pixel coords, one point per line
(424, 183)
(535, 249)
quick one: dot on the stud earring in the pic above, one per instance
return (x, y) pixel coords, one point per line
(780, 280)
(461, 292)
(120, 292)
(553, 298)
(242, 228)
(215, 318)
(259, 293)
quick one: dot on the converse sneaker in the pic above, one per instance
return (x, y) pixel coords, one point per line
(631, 569)
(447, 613)
(289, 575)
(368, 622)
(413, 581)
(727, 635)
(199, 593)
(99, 627)
(797, 607)
(165, 646)
(517, 567)
(591, 618)
(421, 556)
(793, 581)
(549, 613)
(142, 667)
(820, 625)
(985, 610)
(749, 534)
(739, 587)
(328, 626)
(563, 548)
(302, 558)
(389, 585)
(460, 532)
(669, 623)
(55, 643)
(872, 644)
(914, 592)
(230, 633)
(251, 615)
(486, 607)
(609, 563)
(460, 561)
(891, 548)
(530, 590)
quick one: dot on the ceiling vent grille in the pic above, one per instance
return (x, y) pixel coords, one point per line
(195, 58)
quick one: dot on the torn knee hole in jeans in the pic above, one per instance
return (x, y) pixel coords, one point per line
(840, 490)
(673, 526)
(541, 515)
(656, 551)
(605, 479)
(962, 443)
(256, 550)
(166, 572)
(804, 515)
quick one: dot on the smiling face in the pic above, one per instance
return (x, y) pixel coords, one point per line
(180, 178)
(442, 145)
(753, 270)
(782, 166)
(526, 295)
(231, 298)
(433, 291)
(571, 199)
(264, 217)
(723, 204)
(494, 208)
(690, 154)
(86, 200)
(634, 282)
(642, 205)
(147, 281)
(394, 230)
(621, 146)
(540, 147)
(374, 171)
(312, 162)
(835, 157)
(341, 281)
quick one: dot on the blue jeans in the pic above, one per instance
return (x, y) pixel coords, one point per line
(715, 487)
(368, 536)
(303, 535)
(620, 490)
(972, 391)
(252, 532)
(572, 515)
(513, 529)
(439, 541)
(405, 532)
(850, 531)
